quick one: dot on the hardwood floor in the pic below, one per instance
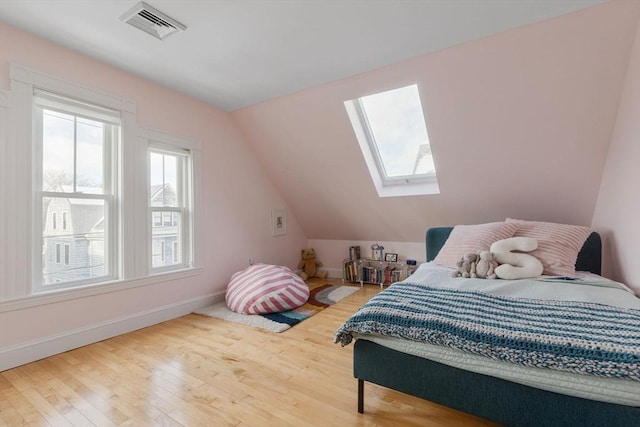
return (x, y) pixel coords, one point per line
(200, 371)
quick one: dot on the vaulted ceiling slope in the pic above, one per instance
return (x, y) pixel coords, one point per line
(519, 122)
(241, 52)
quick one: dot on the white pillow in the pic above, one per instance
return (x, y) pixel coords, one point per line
(516, 265)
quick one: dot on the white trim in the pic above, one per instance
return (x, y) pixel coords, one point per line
(158, 141)
(159, 137)
(333, 273)
(4, 214)
(90, 290)
(30, 351)
(19, 172)
(22, 74)
(18, 181)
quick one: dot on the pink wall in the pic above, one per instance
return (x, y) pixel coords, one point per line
(237, 196)
(520, 125)
(616, 215)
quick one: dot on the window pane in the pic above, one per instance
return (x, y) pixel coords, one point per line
(157, 219)
(57, 151)
(396, 120)
(166, 240)
(90, 148)
(163, 178)
(83, 240)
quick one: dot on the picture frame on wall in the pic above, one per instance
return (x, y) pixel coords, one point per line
(278, 222)
(389, 257)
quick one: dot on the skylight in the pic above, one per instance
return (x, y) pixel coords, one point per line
(393, 137)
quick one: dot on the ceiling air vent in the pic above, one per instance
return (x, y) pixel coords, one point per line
(152, 21)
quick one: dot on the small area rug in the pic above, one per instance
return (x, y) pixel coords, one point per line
(321, 296)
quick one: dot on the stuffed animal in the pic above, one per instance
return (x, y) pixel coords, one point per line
(485, 266)
(309, 265)
(515, 265)
(466, 264)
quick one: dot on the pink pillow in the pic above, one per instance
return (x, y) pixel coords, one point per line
(263, 288)
(558, 244)
(472, 238)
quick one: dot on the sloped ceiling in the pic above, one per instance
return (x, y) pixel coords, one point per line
(237, 53)
(519, 123)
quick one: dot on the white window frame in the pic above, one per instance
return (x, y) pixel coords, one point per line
(84, 108)
(184, 201)
(175, 249)
(190, 204)
(385, 186)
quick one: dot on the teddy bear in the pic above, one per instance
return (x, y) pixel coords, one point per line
(485, 266)
(309, 265)
(466, 264)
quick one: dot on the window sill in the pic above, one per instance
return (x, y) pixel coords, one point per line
(49, 297)
(413, 189)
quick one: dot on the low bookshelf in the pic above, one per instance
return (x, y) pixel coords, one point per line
(365, 270)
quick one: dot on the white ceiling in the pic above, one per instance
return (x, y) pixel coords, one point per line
(236, 53)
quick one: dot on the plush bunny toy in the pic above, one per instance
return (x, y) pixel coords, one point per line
(466, 265)
(485, 267)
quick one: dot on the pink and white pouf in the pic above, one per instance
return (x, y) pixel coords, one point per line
(263, 288)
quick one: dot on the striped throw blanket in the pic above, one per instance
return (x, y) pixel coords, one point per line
(585, 338)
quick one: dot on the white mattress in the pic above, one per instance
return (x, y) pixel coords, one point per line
(589, 287)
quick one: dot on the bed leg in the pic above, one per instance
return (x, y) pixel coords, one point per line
(360, 396)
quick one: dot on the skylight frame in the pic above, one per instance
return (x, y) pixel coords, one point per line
(386, 185)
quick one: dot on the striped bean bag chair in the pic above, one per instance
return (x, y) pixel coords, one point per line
(263, 288)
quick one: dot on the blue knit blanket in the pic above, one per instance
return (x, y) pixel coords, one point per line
(579, 337)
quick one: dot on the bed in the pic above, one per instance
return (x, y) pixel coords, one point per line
(459, 379)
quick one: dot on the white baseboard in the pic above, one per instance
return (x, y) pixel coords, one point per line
(334, 273)
(30, 351)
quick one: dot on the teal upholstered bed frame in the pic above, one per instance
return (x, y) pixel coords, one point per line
(498, 400)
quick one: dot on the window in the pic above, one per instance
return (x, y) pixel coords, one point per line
(88, 165)
(170, 207)
(75, 146)
(157, 219)
(166, 218)
(392, 133)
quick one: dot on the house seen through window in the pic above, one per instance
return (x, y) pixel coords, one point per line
(391, 129)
